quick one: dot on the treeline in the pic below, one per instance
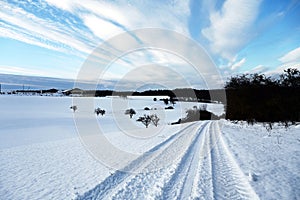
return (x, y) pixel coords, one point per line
(249, 97)
(53, 90)
(182, 94)
(256, 97)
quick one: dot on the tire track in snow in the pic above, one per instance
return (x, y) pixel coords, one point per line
(117, 181)
(202, 184)
(152, 185)
(180, 185)
(204, 168)
(229, 182)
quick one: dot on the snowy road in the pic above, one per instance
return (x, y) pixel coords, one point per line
(199, 166)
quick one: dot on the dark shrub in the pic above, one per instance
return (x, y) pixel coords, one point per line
(99, 111)
(130, 112)
(74, 108)
(169, 108)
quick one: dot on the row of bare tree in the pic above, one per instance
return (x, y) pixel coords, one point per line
(146, 119)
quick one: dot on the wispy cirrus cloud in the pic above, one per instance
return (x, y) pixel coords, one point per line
(95, 21)
(101, 28)
(289, 60)
(33, 71)
(237, 64)
(275, 72)
(121, 15)
(291, 57)
(26, 27)
(258, 69)
(78, 27)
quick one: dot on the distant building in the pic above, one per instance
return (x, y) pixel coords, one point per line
(73, 91)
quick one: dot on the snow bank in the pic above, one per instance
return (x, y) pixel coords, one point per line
(269, 159)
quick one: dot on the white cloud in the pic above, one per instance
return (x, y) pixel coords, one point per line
(103, 19)
(230, 27)
(34, 71)
(238, 64)
(133, 15)
(17, 34)
(280, 69)
(148, 57)
(63, 4)
(91, 22)
(258, 69)
(153, 74)
(28, 28)
(101, 28)
(18, 70)
(108, 11)
(292, 56)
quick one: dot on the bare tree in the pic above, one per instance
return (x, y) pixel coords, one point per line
(146, 120)
(155, 119)
(130, 112)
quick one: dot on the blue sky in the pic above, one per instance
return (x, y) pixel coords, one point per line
(53, 38)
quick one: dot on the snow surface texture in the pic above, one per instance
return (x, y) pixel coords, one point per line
(270, 160)
(41, 156)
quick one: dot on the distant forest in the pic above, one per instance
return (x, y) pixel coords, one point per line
(182, 94)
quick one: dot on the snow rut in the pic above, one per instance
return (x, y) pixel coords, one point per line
(147, 164)
(197, 165)
(229, 182)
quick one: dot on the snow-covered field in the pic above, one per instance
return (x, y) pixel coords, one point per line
(42, 155)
